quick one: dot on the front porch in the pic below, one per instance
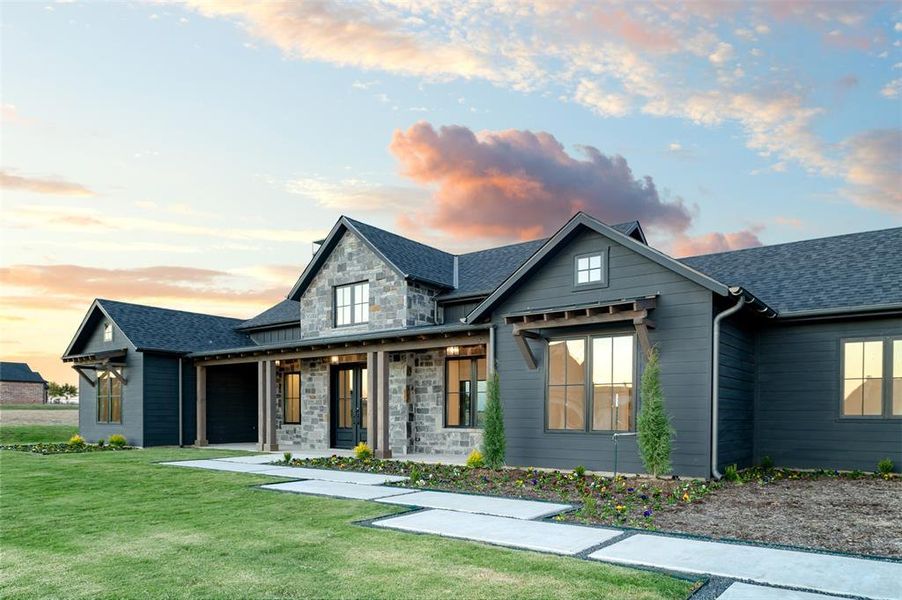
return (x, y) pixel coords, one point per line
(323, 396)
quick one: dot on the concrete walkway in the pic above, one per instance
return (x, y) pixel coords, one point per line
(760, 572)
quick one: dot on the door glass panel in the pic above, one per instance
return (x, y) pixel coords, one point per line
(344, 398)
(465, 398)
(364, 398)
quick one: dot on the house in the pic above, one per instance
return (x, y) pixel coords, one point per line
(20, 385)
(792, 351)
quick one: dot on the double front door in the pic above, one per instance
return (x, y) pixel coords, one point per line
(349, 405)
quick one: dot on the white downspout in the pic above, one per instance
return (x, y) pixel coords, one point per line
(715, 376)
(181, 428)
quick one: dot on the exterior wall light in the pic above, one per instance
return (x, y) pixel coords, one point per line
(334, 360)
(453, 351)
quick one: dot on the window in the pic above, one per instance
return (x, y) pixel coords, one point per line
(897, 378)
(612, 383)
(465, 392)
(352, 304)
(590, 268)
(109, 397)
(107, 332)
(567, 384)
(291, 397)
(863, 378)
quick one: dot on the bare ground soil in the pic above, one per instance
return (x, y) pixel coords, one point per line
(38, 417)
(862, 516)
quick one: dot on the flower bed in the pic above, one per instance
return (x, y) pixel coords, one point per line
(63, 448)
(624, 501)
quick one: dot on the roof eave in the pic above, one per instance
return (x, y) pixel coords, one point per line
(843, 311)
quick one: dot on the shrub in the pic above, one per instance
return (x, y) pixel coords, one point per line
(362, 451)
(579, 471)
(653, 424)
(414, 474)
(475, 459)
(885, 466)
(100, 443)
(767, 463)
(493, 442)
(76, 441)
(287, 457)
(731, 473)
(117, 440)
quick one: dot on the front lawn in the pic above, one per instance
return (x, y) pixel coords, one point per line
(114, 524)
(30, 434)
(38, 407)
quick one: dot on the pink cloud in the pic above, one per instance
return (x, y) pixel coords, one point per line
(710, 243)
(510, 185)
(38, 185)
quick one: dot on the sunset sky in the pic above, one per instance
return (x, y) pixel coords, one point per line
(188, 154)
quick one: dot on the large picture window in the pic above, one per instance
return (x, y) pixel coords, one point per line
(352, 304)
(291, 397)
(862, 378)
(465, 392)
(567, 384)
(109, 398)
(897, 378)
(612, 383)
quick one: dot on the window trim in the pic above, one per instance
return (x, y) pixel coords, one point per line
(285, 420)
(474, 380)
(603, 252)
(109, 377)
(350, 286)
(886, 384)
(588, 387)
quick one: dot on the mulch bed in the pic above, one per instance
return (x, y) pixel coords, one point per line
(62, 448)
(846, 512)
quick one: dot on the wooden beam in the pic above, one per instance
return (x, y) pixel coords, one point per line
(382, 405)
(201, 439)
(642, 334)
(525, 350)
(261, 406)
(372, 393)
(626, 315)
(271, 443)
(81, 371)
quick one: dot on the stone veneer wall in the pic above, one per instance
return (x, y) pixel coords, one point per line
(313, 431)
(421, 306)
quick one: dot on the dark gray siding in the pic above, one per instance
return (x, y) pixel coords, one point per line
(189, 406)
(683, 336)
(281, 334)
(799, 394)
(455, 312)
(737, 393)
(132, 426)
(161, 401)
(232, 403)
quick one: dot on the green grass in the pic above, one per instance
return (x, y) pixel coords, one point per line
(29, 434)
(38, 407)
(111, 525)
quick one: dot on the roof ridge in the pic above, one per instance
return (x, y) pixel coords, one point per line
(490, 248)
(779, 244)
(392, 233)
(177, 310)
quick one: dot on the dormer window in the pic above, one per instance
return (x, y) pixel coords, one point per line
(107, 332)
(590, 268)
(352, 304)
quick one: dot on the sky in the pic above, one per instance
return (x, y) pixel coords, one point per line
(188, 154)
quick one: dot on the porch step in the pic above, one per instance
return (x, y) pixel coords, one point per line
(556, 538)
(337, 489)
(827, 573)
(486, 505)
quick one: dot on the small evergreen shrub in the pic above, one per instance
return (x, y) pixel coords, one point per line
(767, 463)
(414, 475)
(493, 442)
(653, 424)
(287, 457)
(475, 460)
(885, 466)
(101, 442)
(76, 441)
(362, 451)
(579, 471)
(117, 440)
(731, 473)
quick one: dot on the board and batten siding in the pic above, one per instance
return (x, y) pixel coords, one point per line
(453, 313)
(683, 318)
(132, 426)
(232, 403)
(276, 334)
(736, 413)
(161, 400)
(799, 395)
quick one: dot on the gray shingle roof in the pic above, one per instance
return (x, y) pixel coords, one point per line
(286, 311)
(149, 327)
(856, 270)
(16, 371)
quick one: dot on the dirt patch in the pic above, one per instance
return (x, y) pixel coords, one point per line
(39, 417)
(846, 515)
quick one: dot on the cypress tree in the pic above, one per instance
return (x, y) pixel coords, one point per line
(493, 442)
(653, 424)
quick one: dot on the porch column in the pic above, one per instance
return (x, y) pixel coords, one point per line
(201, 439)
(270, 443)
(261, 406)
(371, 393)
(382, 390)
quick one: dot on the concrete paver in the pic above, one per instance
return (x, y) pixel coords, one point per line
(337, 489)
(747, 591)
(487, 505)
(556, 538)
(330, 475)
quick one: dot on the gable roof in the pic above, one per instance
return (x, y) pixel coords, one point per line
(579, 220)
(844, 273)
(165, 329)
(285, 312)
(20, 372)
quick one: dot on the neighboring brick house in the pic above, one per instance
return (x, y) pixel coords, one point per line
(792, 351)
(20, 385)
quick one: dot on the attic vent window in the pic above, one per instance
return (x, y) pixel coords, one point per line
(107, 332)
(590, 268)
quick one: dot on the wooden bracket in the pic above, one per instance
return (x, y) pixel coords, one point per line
(642, 334)
(83, 374)
(522, 344)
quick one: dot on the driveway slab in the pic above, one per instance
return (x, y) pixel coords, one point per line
(337, 489)
(746, 591)
(330, 475)
(486, 505)
(826, 573)
(557, 538)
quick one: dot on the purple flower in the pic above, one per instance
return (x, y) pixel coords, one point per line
(535, 482)
(644, 497)
(631, 490)
(647, 513)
